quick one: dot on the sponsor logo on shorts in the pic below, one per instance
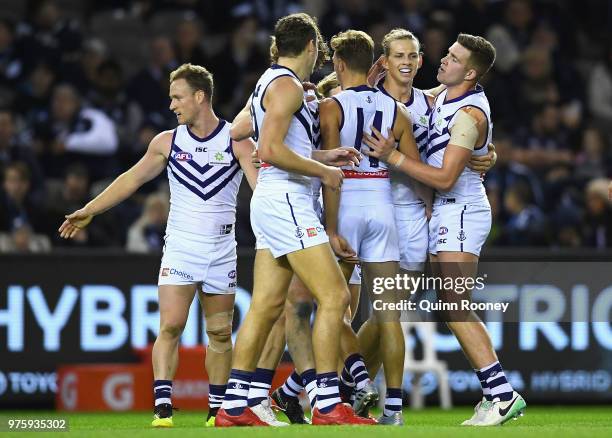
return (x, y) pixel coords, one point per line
(443, 231)
(441, 241)
(299, 232)
(461, 236)
(320, 229)
(232, 284)
(311, 232)
(183, 156)
(231, 274)
(172, 271)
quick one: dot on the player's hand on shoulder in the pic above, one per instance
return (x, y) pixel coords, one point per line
(74, 222)
(332, 177)
(381, 146)
(342, 249)
(377, 72)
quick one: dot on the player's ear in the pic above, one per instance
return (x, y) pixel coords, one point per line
(200, 96)
(385, 62)
(471, 75)
(420, 60)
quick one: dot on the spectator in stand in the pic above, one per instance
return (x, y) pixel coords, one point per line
(11, 150)
(597, 223)
(526, 225)
(435, 46)
(108, 95)
(11, 62)
(47, 35)
(67, 197)
(188, 43)
(592, 162)
(600, 92)
(22, 239)
(149, 88)
(35, 92)
(239, 65)
(146, 235)
(16, 205)
(69, 133)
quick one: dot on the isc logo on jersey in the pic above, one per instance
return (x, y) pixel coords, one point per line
(183, 156)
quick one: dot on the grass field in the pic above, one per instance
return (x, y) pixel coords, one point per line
(539, 421)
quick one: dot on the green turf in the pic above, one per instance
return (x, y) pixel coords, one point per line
(539, 421)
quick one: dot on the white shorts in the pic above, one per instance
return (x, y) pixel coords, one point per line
(208, 260)
(356, 275)
(370, 231)
(459, 227)
(413, 233)
(285, 222)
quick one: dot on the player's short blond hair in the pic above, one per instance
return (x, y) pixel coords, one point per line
(396, 35)
(355, 48)
(196, 76)
(328, 83)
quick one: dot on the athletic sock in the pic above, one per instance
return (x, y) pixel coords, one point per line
(327, 392)
(260, 386)
(357, 370)
(497, 382)
(309, 379)
(215, 396)
(486, 392)
(292, 386)
(236, 395)
(162, 391)
(393, 401)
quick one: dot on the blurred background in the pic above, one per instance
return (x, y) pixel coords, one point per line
(84, 88)
(84, 85)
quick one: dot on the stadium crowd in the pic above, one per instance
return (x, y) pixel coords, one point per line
(84, 88)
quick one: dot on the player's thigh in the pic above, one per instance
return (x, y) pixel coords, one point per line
(355, 291)
(319, 271)
(270, 282)
(174, 303)
(216, 303)
(298, 292)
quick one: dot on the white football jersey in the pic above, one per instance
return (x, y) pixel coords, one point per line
(469, 187)
(402, 186)
(363, 107)
(204, 180)
(299, 137)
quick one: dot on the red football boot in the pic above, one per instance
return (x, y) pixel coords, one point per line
(340, 414)
(247, 418)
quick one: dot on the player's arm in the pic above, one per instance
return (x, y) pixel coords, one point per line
(242, 126)
(148, 167)
(283, 98)
(469, 127)
(243, 150)
(407, 146)
(330, 117)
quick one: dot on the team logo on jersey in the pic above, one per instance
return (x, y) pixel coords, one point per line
(299, 232)
(461, 236)
(231, 274)
(423, 120)
(369, 99)
(312, 232)
(443, 231)
(183, 156)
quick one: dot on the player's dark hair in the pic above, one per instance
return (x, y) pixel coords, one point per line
(293, 32)
(196, 76)
(482, 52)
(355, 48)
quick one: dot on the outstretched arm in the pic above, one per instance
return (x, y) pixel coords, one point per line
(150, 165)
